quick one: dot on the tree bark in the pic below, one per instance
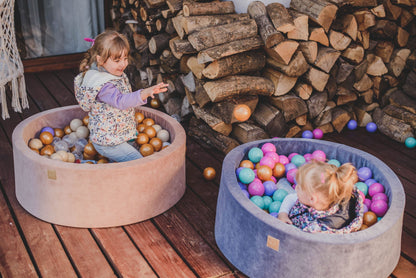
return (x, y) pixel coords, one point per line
(280, 17)
(282, 83)
(301, 31)
(270, 118)
(320, 11)
(297, 66)
(196, 23)
(194, 8)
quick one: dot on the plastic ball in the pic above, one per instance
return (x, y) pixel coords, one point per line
(375, 188)
(138, 117)
(272, 155)
(150, 131)
(367, 202)
(319, 155)
(61, 146)
(267, 201)
(370, 182)
(272, 178)
(291, 174)
(256, 187)
(157, 128)
(75, 123)
(148, 122)
(274, 207)
(380, 196)
(56, 156)
(290, 166)
(268, 161)
(258, 201)
(371, 127)
(47, 150)
(62, 154)
(71, 158)
(59, 132)
(142, 138)
(318, 133)
(279, 170)
(82, 131)
(352, 124)
(86, 120)
(379, 207)
(279, 195)
(290, 156)
(90, 150)
(156, 143)
(269, 188)
(308, 157)
(163, 135)
(155, 103)
(146, 149)
(363, 227)
(268, 147)
(264, 172)
(247, 164)
(410, 142)
(334, 162)
(362, 187)
(298, 160)
(283, 159)
(48, 129)
(46, 137)
(242, 185)
(307, 134)
(102, 161)
(370, 218)
(238, 170)
(209, 173)
(361, 194)
(365, 208)
(364, 173)
(274, 214)
(246, 175)
(245, 192)
(35, 144)
(242, 112)
(255, 154)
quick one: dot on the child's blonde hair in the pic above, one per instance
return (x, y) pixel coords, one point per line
(334, 183)
(107, 44)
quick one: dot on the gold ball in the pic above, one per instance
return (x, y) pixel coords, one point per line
(146, 149)
(209, 173)
(150, 131)
(138, 117)
(155, 103)
(156, 143)
(47, 150)
(142, 138)
(67, 130)
(140, 127)
(90, 150)
(148, 122)
(46, 138)
(86, 120)
(59, 132)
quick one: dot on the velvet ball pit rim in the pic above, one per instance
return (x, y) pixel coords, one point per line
(383, 174)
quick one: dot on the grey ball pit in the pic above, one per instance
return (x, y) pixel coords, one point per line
(261, 246)
(101, 195)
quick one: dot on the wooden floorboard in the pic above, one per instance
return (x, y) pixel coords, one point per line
(177, 243)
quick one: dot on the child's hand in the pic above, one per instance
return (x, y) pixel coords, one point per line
(154, 90)
(283, 216)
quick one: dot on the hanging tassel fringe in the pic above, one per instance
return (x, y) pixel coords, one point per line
(4, 111)
(15, 96)
(23, 94)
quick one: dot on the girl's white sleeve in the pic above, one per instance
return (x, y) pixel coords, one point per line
(288, 202)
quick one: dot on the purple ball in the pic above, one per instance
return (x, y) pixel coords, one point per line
(370, 181)
(308, 157)
(268, 161)
(269, 188)
(48, 129)
(367, 202)
(283, 159)
(242, 186)
(274, 214)
(273, 155)
(364, 173)
(371, 127)
(238, 170)
(268, 147)
(256, 188)
(380, 196)
(307, 134)
(352, 124)
(318, 133)
(245, 192)
(365, 208)
(291, 174)
(319, 155)
(375, 188)
(379, 207)
(290, 166)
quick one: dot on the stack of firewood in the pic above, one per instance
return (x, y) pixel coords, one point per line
(317, 64)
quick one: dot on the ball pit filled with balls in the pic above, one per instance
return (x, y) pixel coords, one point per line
(249, 235)
(104, 194)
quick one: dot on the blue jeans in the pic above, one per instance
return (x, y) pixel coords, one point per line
(119, 153)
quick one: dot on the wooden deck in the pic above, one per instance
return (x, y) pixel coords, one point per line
(178, 243)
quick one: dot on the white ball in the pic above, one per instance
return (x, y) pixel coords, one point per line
(157, 128)
(82, 131)
(71, 158)
(75, 123)
(35, 143)
(56, 156)
(63, 154)
(163, 135)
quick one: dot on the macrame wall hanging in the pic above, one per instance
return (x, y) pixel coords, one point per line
(11, 67)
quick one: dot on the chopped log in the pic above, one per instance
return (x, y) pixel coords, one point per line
(384, 49)
(195, 23)
(398, 61)
(177, 23)
(326, 128)
(283, 52)
(384, 29)
(354, 53)
(201, 96)
(326, 58)
(362, 116)
(338, 40)
(365, 19)
(194, 8)
(159, 42)
(318, 35)
(212, 120)
(401, 114)
(173, 105)
(248, 132)
(344, 71)
(364, 38)
(167, 13)
(410, 84)
(392, 11)
(402, 37)
(294, 131)
(309, 50)
(195, 67)
(270, 118)
(183, 67)
(224, 109)
(345, 96)
(169, 28)
(140, 42)
(174, 5)
(231, 86)
(317, 78)
(188, 81)
(340, 118)
(376, 66)
(303, 90)
(364, 84)
(301, 31)
(152, 73)
(347, 24)
(316, 104)
(367, 96)
(360, 70)
(402, 100)
(168, 62)
(213, 36)
(268, 33)
(320, 11)
(161, 24)
(282, 83)
(379, 11)
(404, 2)
(280, 17)
(201, 131)
(394, 128)
(180, 47)
(244, 62)
(302, 120)
(405, 18)
(151, 4)
(291, 106)
(227, 49)
(325, 117)
(297, 67)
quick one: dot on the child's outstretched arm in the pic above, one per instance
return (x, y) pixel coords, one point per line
(287, 204)
(154, 90)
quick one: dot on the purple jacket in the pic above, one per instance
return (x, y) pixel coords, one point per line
(111, 95)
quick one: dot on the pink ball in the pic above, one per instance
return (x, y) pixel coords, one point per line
(308, 157)
(268, 147)
(318, 133)
(375, 188)
(291, 155)
(268, 161)
(273, 155)
(380, 196)
(273, 179)
(283, 159)
(319, 155)
(256, 188)
(367, 202)
(291, 174)
(362, 194)
(379, 207)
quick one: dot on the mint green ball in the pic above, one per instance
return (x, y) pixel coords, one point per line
(258, 201)
(298, 160)
(334, 162)
(267, 201)
(362, 187)
(275, 206)
(255, 154)
(279, 195)
(410, 142)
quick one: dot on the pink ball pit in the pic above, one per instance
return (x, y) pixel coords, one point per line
(97, 195)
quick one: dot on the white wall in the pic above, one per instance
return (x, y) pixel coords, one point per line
(241, 5)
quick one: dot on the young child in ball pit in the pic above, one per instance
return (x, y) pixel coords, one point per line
(325, 199)
(103, 89)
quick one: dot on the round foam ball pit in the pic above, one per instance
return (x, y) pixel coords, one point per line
(97, 195)
(259, 245)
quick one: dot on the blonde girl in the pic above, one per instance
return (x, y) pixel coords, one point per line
(103, 90)
(325, 199)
